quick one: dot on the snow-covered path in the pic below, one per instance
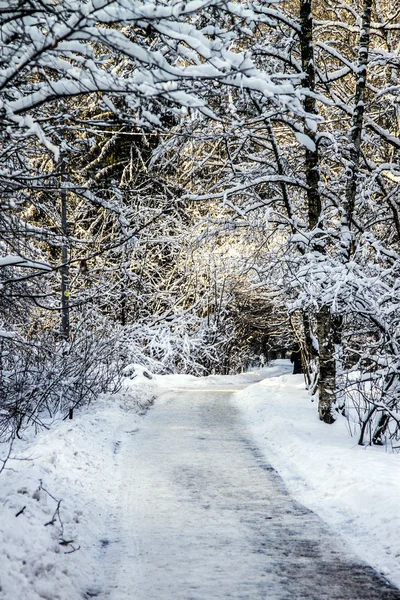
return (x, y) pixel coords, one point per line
(197, 514)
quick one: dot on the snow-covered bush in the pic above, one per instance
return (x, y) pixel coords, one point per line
(185, 344)
(44, 377)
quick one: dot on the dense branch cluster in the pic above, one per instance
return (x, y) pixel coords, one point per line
(204, 180)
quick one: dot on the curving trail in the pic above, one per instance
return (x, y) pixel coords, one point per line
(199, 515)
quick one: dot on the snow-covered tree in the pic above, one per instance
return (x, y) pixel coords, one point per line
(326, 180)
(76, 79)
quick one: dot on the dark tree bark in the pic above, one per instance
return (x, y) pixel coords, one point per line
(324, 318)
(310, 105)
(355, 135)
(65, 324)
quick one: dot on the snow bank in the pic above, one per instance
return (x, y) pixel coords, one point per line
(225, 382)
(355, 489)
(73, 462)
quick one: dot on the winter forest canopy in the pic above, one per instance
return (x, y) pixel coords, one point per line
(187, 184)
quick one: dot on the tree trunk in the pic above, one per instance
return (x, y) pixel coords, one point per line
(309, 352)
(328, 330)
(310, 105)
(65, 325)
(355, 134)
(324, 320)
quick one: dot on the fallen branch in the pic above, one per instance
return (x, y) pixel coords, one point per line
(57, 517)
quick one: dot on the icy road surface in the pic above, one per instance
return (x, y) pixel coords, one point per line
(199, 515)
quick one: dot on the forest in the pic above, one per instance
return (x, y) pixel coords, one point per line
(188, 184)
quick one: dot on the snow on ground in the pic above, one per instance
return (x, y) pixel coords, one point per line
(74, 463)
(355, 489)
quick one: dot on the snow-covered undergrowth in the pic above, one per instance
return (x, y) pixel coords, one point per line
(51, 554)
(355, 489)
